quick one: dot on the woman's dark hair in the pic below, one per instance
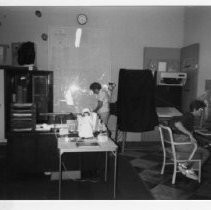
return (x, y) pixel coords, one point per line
(95, 85)
(197, 104)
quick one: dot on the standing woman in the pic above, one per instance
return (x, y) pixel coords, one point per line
(103, 100)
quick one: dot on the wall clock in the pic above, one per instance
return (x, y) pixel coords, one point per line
(82, 19)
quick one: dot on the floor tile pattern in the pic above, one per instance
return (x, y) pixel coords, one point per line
(146, 158)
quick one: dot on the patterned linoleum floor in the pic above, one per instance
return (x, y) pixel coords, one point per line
(147, 160)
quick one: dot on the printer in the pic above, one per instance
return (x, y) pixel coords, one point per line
(171, 78)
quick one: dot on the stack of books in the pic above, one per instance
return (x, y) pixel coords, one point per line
(22, 117)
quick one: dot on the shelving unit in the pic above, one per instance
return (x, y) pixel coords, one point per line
(22, 86)
(22, 117)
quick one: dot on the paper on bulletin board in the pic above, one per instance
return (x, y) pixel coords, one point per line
(76, 67)
(1, 55)
(162, 66)
(1, 51)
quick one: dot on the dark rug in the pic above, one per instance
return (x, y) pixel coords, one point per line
(40, 187)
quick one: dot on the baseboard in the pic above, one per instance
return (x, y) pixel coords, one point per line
(66, 175)
(131, 143)
(142, 145)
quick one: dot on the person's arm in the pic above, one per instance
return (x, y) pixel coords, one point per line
(99, 105)
(181, 128)
(205, 97)
(206, 110)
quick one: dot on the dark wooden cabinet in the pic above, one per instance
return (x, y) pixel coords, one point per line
(24, 86)
(37, 152)
(32, 152)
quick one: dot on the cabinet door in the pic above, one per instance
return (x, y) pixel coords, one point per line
(47, 158)
(17, 89)
(2, 123)
(42, 94)
(189, 65)
(22, 150)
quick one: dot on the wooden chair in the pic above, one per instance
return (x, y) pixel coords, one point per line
(169, 152)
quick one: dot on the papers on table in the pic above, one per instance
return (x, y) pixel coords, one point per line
(43, 127)
(86, 143)
(168, 112)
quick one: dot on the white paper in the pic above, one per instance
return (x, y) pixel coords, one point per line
(162, 66)
(1, 51)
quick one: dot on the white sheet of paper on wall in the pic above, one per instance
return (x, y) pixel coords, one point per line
(162, 66)
(1, 55)
(1, 51)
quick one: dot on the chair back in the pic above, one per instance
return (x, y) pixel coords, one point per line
(167, 141)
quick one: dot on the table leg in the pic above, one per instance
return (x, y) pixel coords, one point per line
(106, 165)
(115, 171)
(60, 174)
(124, 137)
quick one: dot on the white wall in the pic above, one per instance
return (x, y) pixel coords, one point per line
(130, 30)
(198, 30)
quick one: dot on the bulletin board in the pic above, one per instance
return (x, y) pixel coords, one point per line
(76, 67)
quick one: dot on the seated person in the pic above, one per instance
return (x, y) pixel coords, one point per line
(183, 128)
(206, 97)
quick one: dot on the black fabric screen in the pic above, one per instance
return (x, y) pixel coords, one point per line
(136, 111)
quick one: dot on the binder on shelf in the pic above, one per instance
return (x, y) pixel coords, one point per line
(22, 117)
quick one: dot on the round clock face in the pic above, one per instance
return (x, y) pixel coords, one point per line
(82, 19)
